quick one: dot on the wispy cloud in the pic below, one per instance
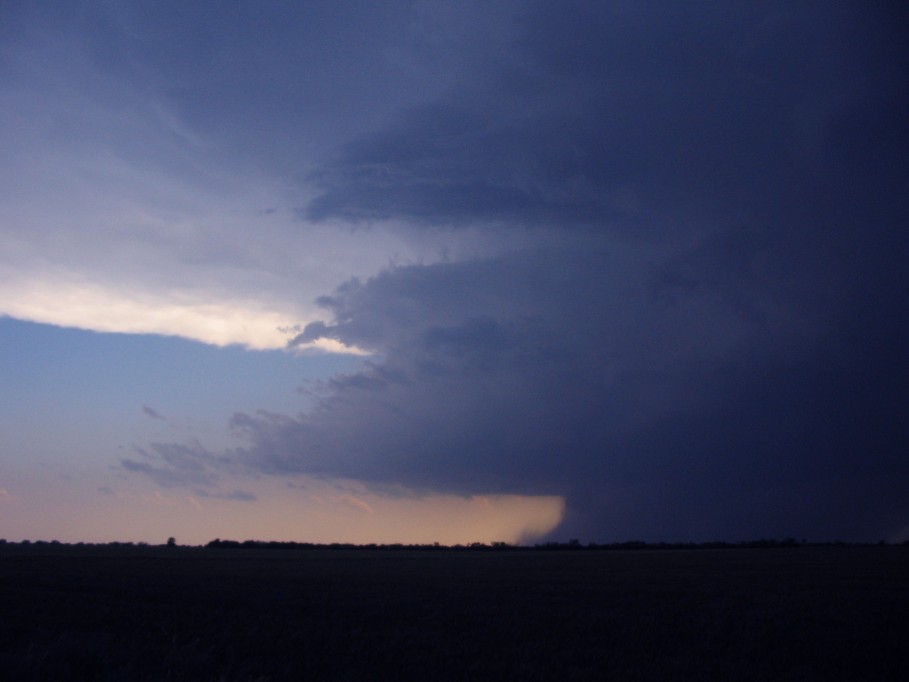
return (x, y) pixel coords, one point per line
(237, 495)
(153, 413)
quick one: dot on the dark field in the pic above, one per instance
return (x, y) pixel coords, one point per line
(808, 613)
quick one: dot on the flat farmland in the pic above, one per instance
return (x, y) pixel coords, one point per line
(132, 613)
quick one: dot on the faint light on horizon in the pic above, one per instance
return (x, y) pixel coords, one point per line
(317, 511)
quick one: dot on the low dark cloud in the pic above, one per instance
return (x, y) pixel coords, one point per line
(660, 408)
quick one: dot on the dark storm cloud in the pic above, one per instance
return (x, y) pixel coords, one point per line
(660, 408)
(726, 360)
(703, 332)
(527, 372)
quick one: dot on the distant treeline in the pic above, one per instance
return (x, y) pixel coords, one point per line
(570, 546)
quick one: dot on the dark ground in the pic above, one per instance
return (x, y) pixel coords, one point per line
(805, 613)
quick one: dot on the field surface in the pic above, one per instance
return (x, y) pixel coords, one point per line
(806, 613)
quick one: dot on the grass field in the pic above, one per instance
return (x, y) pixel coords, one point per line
(100, 613)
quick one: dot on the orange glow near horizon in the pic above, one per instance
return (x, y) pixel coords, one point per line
(309, 511)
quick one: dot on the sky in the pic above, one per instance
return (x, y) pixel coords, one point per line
(453, 271)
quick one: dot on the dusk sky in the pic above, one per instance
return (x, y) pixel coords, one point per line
(454, 271)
